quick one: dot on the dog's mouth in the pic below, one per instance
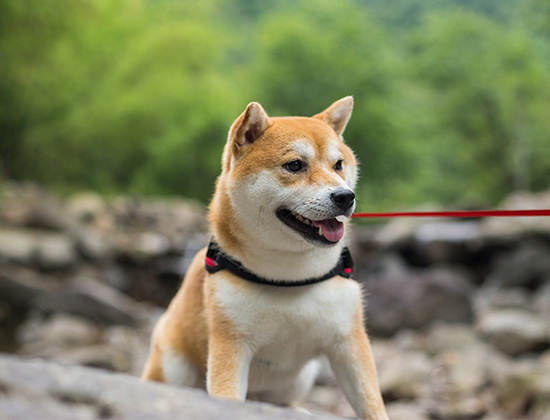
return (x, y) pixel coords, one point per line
(327, 231)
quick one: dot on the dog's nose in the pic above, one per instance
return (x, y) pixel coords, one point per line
(343, 198)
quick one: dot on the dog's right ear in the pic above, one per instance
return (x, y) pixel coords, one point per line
(248, 128)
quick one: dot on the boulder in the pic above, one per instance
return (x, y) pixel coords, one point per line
(527, 266)
(416, 298)
(523, 389)
(514, 331)
(402, 374)
(94, 300)
(36, 389)
(20, 285)
(47, 250)
(47, 337)
(26, 205)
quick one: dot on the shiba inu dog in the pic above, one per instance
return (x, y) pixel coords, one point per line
(272, 292)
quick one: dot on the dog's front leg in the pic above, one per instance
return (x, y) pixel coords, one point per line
(353, 364)
(228, 366)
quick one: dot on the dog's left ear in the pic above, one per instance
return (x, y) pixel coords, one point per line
(338, 114)
(249, 126)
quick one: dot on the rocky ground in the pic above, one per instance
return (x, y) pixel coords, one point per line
(458, 310)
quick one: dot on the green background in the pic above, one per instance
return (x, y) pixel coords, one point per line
(452, 97)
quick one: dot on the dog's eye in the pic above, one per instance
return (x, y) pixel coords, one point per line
(294, 166)
(338, 165)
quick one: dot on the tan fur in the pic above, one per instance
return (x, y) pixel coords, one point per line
(243, 340)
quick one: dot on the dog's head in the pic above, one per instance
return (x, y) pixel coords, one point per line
(290, 180)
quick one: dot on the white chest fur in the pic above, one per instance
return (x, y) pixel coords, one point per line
(286, 327)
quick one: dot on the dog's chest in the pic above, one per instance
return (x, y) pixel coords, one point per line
(290, 324)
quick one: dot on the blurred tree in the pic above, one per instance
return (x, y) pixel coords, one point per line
(485, 85)
(138, 95)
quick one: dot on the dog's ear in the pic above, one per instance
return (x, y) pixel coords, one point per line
(338, 114)
(249, 126)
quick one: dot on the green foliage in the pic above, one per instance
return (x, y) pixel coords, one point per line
(451, 96)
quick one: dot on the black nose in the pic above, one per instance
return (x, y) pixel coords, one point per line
(343, 198)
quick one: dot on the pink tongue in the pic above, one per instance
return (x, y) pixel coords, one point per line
(332, 229)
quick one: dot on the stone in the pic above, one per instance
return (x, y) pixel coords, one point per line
(27, 205)
(406, 411)
(513, 228)
(55, 251)
(91, 244)
(514, 331)
(527, 266)
(93, 300)
(523, 389)
(489, 298)
(20, 285)
(401, 374)
(17, 245)
(37, 389)
(46, 249)
(47, 337)
(416, 298)
(85, 205)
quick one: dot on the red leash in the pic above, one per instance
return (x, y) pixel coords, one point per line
(468, 213)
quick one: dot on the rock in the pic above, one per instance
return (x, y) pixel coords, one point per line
(46, 337)
(401, 374)
(55, 251)
(85, 206)
(523, 389)
(93, 300)
(27, 205)
(542, 301)
(45, 249)
(490, 298)
(514, 331)
(35, 389)
(101, 356)
(406, 411)
(324, 398)
(17, 245)
(513, 228)
(90, 244)
(19, 286)
(416, 298)
(527, 266)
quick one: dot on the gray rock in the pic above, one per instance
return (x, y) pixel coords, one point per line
(406, 411)
(401, 374)
(34, 389)
(47, 337)
(523, 389)
(55, 251)
(491, 298)
(17, 245)
(85, 206)
(416, 298)
(91, 244)
(46, 249)
(528, 266)
(19, 285)
(512, 228)
(94, 300)
(30, 206)
(514, 331)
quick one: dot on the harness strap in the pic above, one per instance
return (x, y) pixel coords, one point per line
(216, 260)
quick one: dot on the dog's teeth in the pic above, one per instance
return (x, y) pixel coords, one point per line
(341, 219)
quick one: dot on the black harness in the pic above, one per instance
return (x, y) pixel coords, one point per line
(216, 260)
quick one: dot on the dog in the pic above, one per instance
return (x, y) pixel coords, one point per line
(272, 292)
